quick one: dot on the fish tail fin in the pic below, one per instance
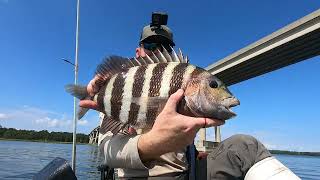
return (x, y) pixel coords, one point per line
(81, 93)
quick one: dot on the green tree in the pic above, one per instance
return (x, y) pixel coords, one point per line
(44, 135)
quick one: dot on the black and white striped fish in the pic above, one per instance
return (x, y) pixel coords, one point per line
(135, 91)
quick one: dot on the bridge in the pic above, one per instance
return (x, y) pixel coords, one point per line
(293, 43)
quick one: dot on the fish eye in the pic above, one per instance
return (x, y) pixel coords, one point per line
(213, 84)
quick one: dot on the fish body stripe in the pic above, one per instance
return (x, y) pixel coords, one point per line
(154, 90)
(136, 92)
(141, 120)
(139, 79)
(107, 96)
(101, 95)
(196, 72)
(127, 95)
(117, 94)
(166, 79)
(156, 79)
(177, 77)
(187, 75)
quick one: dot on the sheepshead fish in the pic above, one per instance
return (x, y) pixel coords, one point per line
(134, 91)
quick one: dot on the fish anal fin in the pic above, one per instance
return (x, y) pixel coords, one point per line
(114, 126)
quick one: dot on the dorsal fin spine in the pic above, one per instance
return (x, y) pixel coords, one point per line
(162, 58)
(180, 55)
(174, 55)
(166, 54)
(139, 64)
(149, 59)
(155, 57)
(143, 61)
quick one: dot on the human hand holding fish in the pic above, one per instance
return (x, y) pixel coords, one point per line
(171, 131)
(93, 87)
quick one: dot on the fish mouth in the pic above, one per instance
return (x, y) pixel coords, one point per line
(230, 102)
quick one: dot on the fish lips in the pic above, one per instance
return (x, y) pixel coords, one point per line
(228, 103)
(220, 111)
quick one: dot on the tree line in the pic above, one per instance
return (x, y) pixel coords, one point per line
(295, 153)
(44, 135)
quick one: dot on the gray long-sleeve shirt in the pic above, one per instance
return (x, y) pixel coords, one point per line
(121, 151)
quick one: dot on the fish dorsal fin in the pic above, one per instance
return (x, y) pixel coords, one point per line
(115, 64)
(165, 56)
(112, 65)
(161, 57)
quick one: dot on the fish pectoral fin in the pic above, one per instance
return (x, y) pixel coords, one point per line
(77, 91)
(114, 126)
(81, 93)
(81, 112)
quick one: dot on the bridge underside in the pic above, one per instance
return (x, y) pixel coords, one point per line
(293, 43)
(292, 52)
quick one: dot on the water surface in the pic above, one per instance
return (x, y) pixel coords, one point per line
(21, 160)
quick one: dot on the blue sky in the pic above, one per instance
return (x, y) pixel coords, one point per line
(279, 108)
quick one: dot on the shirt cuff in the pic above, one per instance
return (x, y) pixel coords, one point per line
(121, 151)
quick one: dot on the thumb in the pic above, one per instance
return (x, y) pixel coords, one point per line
(174, 100)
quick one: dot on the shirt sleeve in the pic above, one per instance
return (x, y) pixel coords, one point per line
(121, 151)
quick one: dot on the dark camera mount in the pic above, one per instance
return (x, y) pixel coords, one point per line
(158, 19)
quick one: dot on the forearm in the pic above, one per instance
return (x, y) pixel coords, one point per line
(148, 149)
(160, 141)
(122, 152)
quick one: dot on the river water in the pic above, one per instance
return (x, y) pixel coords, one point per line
(21, 160)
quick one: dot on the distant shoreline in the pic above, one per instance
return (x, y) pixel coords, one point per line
(295, 153)
(41, 136)
(29, 140)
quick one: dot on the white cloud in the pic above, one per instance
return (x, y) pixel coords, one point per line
(33, 118)
(27, 117)
(52, 123)
(275, 139)
(271, 146)
(3, 116)
(82, 122)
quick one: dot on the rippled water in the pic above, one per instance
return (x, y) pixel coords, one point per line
(306, 167)
(21, 160)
